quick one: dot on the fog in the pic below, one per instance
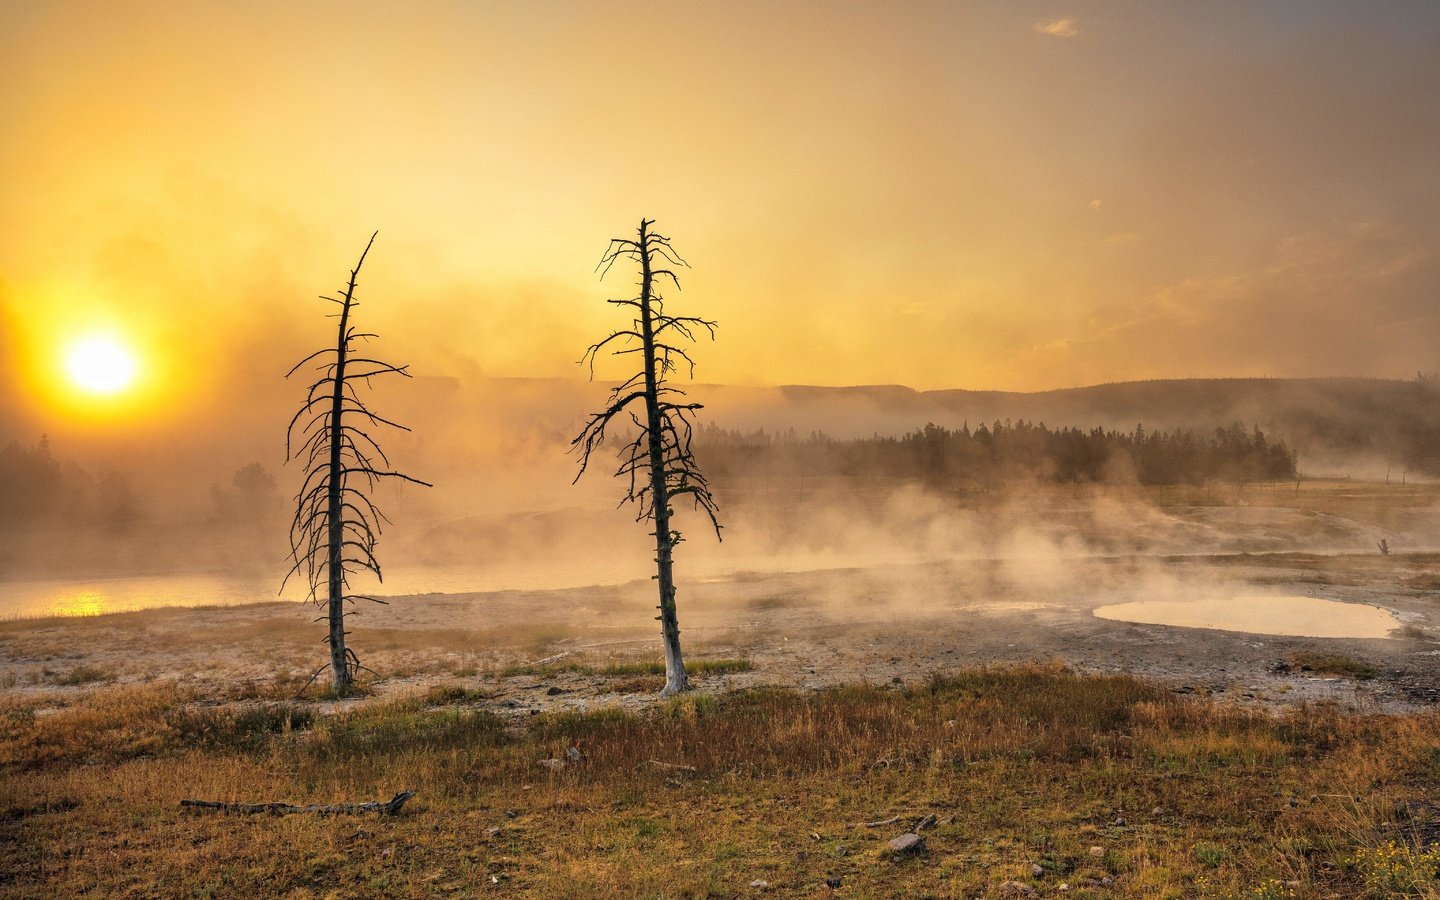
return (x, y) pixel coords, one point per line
(504, 513)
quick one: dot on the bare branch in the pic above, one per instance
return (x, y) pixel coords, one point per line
(334, 531)
(657, 465)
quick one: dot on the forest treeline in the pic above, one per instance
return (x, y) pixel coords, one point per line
(39, 487)
(1001, 451)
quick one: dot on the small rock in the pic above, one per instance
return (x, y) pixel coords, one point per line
(1097, 851)
(1120, 822)
(1016, 888)
(833, 882)
(493, 832)
(553, 691)
(1292, 802)
(815, 836)
(1064, 887)
(760, 884)
(1314, 798)
(511, 814)
(842, 850)
(1158, 811)
(907, 843)
(927, 822)
(1037, 870)
(1106, 882)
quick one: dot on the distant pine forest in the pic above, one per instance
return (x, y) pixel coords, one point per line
(39, 486)
(1005, 451)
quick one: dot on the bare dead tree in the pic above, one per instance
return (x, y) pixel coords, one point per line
(656, 464)
(336, 524)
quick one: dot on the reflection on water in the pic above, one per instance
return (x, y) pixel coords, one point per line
(1292, 616)
(92, 597)
(86, 602)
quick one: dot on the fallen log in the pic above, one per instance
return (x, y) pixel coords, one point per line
(666, 767)
(890, 821)
(388, 808)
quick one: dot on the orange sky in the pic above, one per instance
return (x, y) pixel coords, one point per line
(984, 195)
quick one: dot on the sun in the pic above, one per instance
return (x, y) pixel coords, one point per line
(100, 365)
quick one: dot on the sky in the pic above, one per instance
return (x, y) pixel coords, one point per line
(1004, 195)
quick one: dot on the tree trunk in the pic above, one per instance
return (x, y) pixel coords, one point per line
(675, 679)
(339, 665)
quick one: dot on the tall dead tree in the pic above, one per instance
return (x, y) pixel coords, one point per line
(336, 524)
(656, 464)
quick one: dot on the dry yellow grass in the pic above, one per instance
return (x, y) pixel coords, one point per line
(1021, 767)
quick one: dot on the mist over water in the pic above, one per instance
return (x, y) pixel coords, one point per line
(204, 522)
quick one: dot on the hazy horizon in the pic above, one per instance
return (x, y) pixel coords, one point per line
(987, 196)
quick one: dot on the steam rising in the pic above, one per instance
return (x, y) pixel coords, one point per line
(505, 515)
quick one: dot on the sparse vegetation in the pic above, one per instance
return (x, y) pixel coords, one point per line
(1332, 664)
(236, 727)
(1392, 869)
(82, 675)
(623, 669)
(1021, 767)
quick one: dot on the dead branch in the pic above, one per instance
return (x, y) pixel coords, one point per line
(390, 807)
(667, 767)
(880, 824)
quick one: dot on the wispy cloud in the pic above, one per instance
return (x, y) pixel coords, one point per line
(1065, 28)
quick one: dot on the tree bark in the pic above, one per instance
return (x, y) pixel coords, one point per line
(339, 666)
(333, 532)
(656, 462)
(675, 678)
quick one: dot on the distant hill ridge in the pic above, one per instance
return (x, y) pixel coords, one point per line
(1335, 423)
(1383, 420)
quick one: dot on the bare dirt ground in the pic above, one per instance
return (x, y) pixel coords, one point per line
(525, 651)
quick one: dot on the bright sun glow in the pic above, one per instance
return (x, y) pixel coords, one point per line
(100, 365)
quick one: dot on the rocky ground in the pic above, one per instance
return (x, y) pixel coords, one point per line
(524, 651)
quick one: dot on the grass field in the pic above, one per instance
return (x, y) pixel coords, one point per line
(1033, 775)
